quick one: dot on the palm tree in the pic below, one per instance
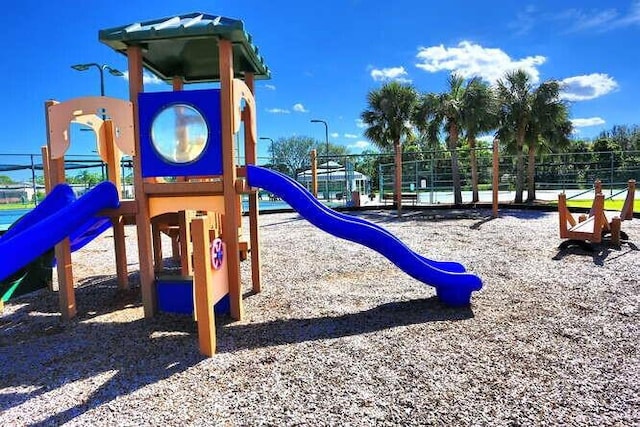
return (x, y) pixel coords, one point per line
(446, 109)
(549, 130)
(388, 117)
(514, 94)
(479, 115)
(526, 115)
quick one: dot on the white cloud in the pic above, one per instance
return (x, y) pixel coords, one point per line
(359, 145)
(591, 121)
(147, 78)
(270, 86)
(334, 135)
(472, 60)
(360, 124)
(351, 135)
(524, 22)
(386, 74)
(277, 111)
(299, 108)
(590, 86)
(601, 20)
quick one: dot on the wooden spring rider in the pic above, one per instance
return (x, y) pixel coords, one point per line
(589, 229)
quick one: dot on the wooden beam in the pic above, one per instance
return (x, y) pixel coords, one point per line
(314, 173)
(231, 221)
(143, 221)
(495, 181)
(251, 156)
(184, 188)
(120, 248)
(186, 245)
(66, 292)
(203, 287)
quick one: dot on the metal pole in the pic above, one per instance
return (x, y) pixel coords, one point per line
(611, 187)
(33, 182)
(101, 69)
(273, 153)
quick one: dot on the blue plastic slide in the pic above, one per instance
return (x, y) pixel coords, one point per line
(453, 285)
(59, 216)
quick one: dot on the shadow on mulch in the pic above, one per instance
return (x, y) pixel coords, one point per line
(43, 353)
(599, 252)
(292, 331)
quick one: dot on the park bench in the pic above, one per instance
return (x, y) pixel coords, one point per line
(409, 197)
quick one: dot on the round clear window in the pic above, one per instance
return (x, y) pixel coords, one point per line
(179, 133)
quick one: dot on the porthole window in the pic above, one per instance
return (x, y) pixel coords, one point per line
(179, 133)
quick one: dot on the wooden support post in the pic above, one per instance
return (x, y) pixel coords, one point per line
(184, 225)
(627, 209)
(147, 285)
(562, 214)
(599, 218)
(175, 248)
(314, 173)
(44, 150)
(66, 293)
(156, 241)
(398, 175)
(120, 248)
(254, 208)
(203, 286)
(113, 155)
(597, 186)
(616, 223)
(231, 221)
(496, 177)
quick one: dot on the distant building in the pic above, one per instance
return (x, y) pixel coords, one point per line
(341, 180)
(20, 192)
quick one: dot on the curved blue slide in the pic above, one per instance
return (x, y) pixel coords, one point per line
(59, 216)
(453, 285)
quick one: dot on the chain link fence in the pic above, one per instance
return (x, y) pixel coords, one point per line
(426, 176)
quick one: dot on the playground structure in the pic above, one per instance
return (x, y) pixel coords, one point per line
(187, 183)
(589, 229)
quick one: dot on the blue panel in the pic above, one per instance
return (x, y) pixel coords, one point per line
(207, 102)
(175, 295)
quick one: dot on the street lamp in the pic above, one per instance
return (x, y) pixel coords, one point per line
(101, 68)
(326, 138)
(273, 153)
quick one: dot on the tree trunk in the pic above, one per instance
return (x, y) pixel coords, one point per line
(455, 168)
(531, 174)
(397, 148)
(473, 159)
(519, 164)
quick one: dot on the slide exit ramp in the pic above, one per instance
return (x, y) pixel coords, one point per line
(453, 284)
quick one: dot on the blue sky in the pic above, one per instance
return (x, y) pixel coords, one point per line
(325, 56)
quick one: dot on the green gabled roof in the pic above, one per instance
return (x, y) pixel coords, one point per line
(186, 46)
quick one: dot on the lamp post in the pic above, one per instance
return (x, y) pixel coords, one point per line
(101, 68)
(326, 138)
(273, 153)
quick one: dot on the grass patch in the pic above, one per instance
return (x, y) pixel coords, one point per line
(11, 206)
(609, 205)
